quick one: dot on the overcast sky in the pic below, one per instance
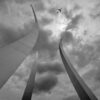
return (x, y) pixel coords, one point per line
(78, 23)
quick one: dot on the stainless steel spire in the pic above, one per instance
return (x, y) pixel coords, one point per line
(31, 81)
(30, 84)
(81, 88)
(13, 54)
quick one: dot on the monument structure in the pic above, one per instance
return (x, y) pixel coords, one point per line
(81, 88)
(13, 54)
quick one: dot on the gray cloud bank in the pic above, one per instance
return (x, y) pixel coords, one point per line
(9, 35)
(85, 55)
(56, 68)
(45, 83)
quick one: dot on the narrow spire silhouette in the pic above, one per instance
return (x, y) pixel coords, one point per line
(31, 81)
(36, 21)
(30, 84)
(81, 88)
(14, 53)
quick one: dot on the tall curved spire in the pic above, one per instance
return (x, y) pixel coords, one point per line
(31, 81)
(12, 55)
(35, 18)
(81, 88)
(36, 21)
(30, 84)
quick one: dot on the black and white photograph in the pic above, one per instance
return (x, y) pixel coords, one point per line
(49, 49)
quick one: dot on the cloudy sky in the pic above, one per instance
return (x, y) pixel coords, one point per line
(78, 24)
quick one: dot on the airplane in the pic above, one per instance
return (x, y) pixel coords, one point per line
(59, 10)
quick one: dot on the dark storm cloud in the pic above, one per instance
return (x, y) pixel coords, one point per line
(67, 36)
(43, 43)
(57, 68)
(46, 83)
(9, 35)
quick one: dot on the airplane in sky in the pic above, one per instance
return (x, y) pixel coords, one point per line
(59, 10)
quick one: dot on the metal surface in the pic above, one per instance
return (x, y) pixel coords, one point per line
(81, 88)
(30, 84)
(12, 55)
(31, 81)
